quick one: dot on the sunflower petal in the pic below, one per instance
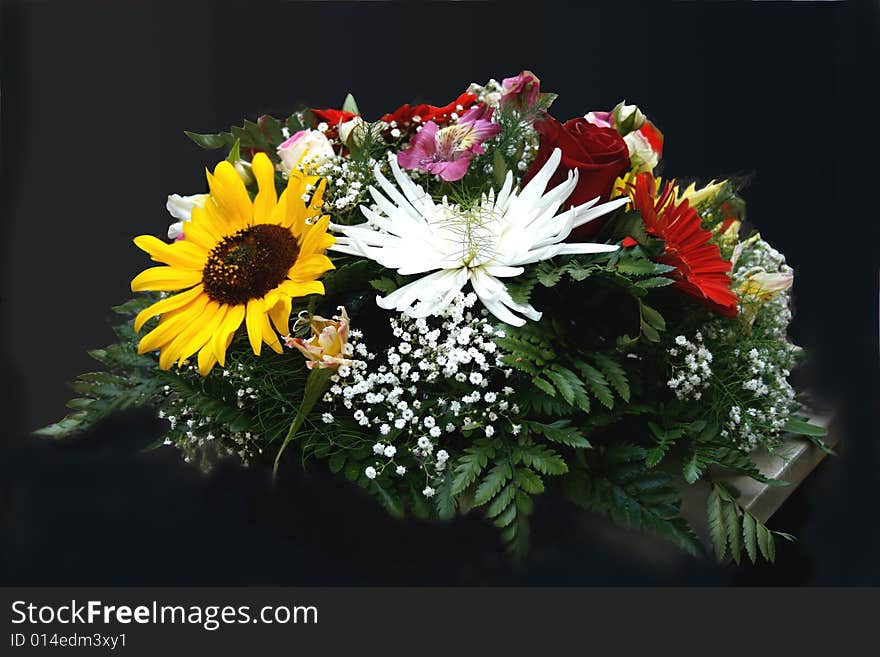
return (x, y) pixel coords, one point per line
(253, 320)
(207, 326)
(204, 229)
(207, 360)
(228, 190)
(166, 305)
(310, 267)
(165, 279)
(170, 326)
(317, 239)
(303, 289)
(182, 254)
(224, 333)
(267, 197)
(317, 200)
(280, 314)
(177, 345)
(269, 335)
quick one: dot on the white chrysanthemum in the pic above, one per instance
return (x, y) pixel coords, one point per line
(414, 235)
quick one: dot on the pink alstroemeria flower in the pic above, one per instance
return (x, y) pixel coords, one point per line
(447, 152)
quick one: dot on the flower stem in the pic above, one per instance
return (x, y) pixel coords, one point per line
(315, 386)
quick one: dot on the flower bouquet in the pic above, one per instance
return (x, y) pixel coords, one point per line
(456, 307)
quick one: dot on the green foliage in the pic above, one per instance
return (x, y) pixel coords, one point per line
(665, 437)
(534, 350)
(209, 405)
(615, 480)
(560, 432)
(651, 322)
(733, 529)
(812, 432)
(446, 502)
(350, 105)
(714, 452)
(264, 135)
(469, 466)
(505, 488)
(614, 374)
(316, 384)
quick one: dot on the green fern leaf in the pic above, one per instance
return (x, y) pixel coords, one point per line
(569, 386)
(492, 482)
(615, 374)
(502, 500)
(560, 432)
(716, 524)
(734, 530)
(471, 464)
(529, 481)
(597, 382)
(543, 459)
(766, 543)
(750, 536)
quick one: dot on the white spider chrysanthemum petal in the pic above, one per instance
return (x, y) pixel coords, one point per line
(412, 234)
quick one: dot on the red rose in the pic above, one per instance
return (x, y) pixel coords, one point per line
(599, 155)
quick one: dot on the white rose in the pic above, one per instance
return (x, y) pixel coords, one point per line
(641, 156)
(305, 142)
(627, 117)
(354, 132)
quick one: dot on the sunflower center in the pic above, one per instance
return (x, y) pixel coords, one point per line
(249, 263)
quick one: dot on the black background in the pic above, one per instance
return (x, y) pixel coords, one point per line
(95, 98)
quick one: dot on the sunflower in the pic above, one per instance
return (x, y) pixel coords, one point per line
(239, 261)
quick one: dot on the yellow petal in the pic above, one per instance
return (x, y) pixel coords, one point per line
(267, 197)
(170, 325)
(165, 279)
(317, 239)
(294, 209)
(269, 335)
(218, 221)
(310, 267)
(196, 336)
(254, 322)
(207, 359)
(183, 254)
(229, 192)
(166, 305)
(279, 212)
(280, 314)
(202, 229)
(224, 333)
(317, 200)
(301, 289)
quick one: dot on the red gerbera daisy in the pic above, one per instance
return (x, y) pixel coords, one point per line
(700, 271)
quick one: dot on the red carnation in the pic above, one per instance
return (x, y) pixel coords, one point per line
(404, 115)
(700, 271)
(333, 118)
